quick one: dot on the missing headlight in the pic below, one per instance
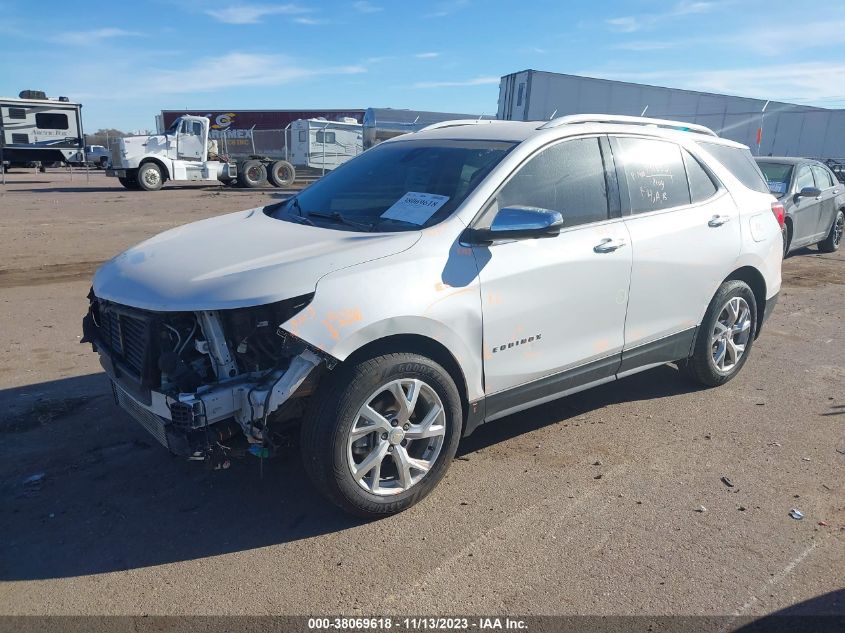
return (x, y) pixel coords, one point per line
(251, 333)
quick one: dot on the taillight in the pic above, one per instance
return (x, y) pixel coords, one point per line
(778, 210)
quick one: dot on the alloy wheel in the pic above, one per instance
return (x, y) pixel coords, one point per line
(731, 334)
(396, 437)
(838, 228)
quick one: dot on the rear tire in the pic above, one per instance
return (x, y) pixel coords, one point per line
(333, 444)
(252, 174)
(281, 174)
(831, 243)
(149, 177)
(723, 342)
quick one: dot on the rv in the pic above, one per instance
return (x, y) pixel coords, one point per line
(35, 129)
(322, 144)
(381, 124)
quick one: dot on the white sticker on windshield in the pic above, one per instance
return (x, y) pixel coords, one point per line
(415, 207)
(777, 187)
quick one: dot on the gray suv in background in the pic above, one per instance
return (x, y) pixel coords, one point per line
(813, 200)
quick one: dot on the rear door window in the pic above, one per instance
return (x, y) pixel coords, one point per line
(701, 185)
(821, 177)
(655, 174)
(739, 162)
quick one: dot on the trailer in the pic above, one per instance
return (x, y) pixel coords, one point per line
(770, 128)
(185, 152)
(36, 129)
(322, 144)
(381, 124)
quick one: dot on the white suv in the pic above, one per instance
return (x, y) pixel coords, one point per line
(438, 281)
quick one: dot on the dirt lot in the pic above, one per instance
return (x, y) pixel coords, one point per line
(584, 505)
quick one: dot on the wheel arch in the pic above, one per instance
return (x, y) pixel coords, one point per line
(165, 172)
(755, 280)
(424, 346)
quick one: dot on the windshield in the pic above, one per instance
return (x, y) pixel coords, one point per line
(174, 127)
(777, 176)
(398, 186)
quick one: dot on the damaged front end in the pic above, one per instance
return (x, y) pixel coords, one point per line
(201, 382)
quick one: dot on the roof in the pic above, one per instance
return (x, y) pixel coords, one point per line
(788, 160)
(39, 101)
(519, 131)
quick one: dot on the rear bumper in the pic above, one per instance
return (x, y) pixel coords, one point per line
(771, 302)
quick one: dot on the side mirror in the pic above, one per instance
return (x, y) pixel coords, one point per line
(517, 223)
(809, 192)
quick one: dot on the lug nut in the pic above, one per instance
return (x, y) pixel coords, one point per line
(404, 442)
(406, 426)
(394, 423)
(384, 436)
(389, 449)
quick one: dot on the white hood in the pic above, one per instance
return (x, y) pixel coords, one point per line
(236, 260)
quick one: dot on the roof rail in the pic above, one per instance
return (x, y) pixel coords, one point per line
(454, 123)
(626, 120)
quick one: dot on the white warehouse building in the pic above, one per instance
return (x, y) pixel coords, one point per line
(788, 129)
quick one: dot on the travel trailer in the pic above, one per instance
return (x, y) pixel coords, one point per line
(35, 129)
(322, 144)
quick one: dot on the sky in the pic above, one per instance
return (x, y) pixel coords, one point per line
(126, 61)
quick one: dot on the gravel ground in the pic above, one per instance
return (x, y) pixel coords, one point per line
(586, 505)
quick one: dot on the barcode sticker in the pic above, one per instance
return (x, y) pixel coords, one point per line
(415, 207)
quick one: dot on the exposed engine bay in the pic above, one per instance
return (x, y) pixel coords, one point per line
(199, 381)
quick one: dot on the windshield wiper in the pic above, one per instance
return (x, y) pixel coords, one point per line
(339, 218)
(300, 218)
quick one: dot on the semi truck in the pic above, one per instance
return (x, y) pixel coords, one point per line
(184, 152)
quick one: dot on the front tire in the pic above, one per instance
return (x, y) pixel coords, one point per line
(724, 340)
(382, 433)
(831, 243)
(149, 177)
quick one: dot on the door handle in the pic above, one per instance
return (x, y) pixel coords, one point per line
(718, 220)
(608, 245)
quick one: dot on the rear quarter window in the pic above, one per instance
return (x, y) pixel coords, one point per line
(739, 162)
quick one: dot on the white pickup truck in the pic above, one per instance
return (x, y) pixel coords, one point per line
(183, 152)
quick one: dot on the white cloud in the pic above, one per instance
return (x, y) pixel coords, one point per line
(442, 9)
(430, 55)
(252, 13)
(116, 79)
(628, 24)
(365, 7)
(478, 81)
(649, 45)
(816, 82)
(238, 69)
(91, 37)
(309, 21)
(768, 40)
(631, 23)
(691, 8)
